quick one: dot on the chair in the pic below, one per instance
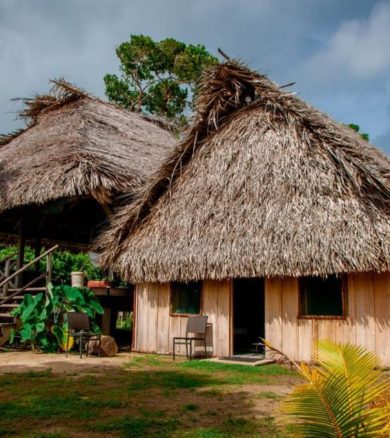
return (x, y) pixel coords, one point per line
(78, 327)
(260, 346)
(196, 326)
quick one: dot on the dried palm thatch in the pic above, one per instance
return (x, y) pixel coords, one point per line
(75, 145)
(262, 185)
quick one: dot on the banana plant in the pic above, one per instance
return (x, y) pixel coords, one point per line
(345, 395)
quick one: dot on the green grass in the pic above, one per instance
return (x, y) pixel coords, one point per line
(270, 395)
(151, 396)
(129, 426)
(239, 427)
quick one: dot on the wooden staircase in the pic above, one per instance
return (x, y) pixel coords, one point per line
(11, 295)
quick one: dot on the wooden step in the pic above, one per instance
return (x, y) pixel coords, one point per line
(10, 306)
(5, 315)
(29, 289)
(17, 298)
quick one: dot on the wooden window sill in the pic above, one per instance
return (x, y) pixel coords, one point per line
(331, 317)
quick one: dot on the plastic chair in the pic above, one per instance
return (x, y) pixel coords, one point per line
(196, 326)
(78, 328)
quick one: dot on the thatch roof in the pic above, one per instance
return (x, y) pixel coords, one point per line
(75, 145)
(262, 185)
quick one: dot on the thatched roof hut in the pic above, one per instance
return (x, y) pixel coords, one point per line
(263, 185)
(76, 146)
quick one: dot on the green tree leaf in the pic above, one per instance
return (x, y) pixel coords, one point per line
(157, 77)
(356, 128)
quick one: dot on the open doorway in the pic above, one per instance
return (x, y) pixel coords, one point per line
(248, 314)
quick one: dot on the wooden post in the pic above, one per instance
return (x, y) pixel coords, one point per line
(21, 246)
(106, 321)
(7, 272)
(49, 269)
(37, 251)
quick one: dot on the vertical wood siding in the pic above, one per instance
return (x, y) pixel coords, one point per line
(156, 327)
(367, 322)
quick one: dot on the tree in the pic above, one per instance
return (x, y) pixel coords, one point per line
(158, 77)
(356, 128)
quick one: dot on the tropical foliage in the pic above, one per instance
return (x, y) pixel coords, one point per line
(157, 77)
(43, 316)
(64, 262)
(125, 321)
(344, 395)
(356, 128)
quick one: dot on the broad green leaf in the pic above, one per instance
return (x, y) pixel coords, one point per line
(42, 316)
(95, 305)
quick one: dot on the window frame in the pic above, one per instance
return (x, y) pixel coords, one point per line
(344, 301)
(172, 313)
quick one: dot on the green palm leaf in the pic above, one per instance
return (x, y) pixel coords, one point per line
(340, 396)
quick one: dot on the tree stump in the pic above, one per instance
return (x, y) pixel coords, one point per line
(108, 347)
(4, 334)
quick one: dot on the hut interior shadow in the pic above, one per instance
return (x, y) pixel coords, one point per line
(248, 314)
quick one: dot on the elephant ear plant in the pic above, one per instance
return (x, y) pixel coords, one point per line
(43, 316)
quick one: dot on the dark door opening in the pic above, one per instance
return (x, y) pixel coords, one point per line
(248, 314)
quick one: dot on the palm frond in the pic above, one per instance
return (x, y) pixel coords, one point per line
(340, 398)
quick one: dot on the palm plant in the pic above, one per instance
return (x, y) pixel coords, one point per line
(345, 395)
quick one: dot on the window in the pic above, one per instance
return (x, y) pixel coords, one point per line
(322, 297)
(185, 297)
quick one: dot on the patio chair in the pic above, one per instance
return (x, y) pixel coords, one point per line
(78, 328)
(260, 346)
(195, 331)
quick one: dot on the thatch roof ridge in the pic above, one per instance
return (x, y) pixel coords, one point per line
(231, 93)
(62, 93)
(97, 148)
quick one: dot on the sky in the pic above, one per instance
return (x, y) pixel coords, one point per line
(336, 51)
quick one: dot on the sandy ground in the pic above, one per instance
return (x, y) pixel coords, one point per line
(25, 361)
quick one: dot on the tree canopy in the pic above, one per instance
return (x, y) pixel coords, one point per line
(356, 128)
(158, 77)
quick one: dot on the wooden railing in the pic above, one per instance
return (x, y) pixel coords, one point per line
(10, 279)
(6, 267)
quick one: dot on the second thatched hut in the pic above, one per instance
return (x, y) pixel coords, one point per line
(62, 174)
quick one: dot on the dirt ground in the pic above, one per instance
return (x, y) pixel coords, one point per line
(14, 362)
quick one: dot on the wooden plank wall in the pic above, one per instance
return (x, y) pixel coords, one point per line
(156, 327)
(367, 324)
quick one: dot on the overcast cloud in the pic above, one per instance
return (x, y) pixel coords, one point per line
(337, 52)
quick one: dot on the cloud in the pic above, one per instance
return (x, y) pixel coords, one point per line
(348, 75)
(383, 141)
(360, 49)
(336, 51)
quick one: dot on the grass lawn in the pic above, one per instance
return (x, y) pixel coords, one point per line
(149, 396)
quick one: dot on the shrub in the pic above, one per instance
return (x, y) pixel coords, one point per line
(43, 316)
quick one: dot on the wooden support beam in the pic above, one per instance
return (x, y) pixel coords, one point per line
(21, 248)
(37, 251)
